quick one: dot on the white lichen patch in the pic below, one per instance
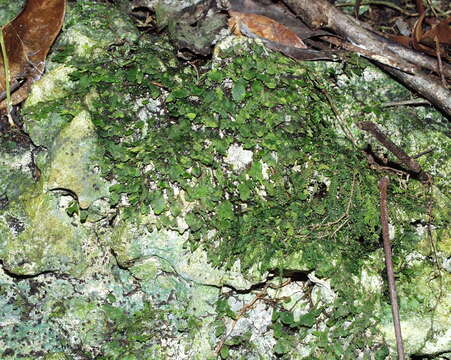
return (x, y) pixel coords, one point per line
(238, 157)
(372, 282)
(322, 291)
(370, 74)
(19, 162)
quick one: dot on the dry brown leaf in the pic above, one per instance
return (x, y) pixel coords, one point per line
(441, 31)
(426, 41)
(28, 38)
(264, 27)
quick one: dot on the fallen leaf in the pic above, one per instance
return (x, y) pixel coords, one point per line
(426, 41)
(441, 31)
(28, 38)
(263, 27)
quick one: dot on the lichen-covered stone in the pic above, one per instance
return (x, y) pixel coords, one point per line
(424, 305)
(38, 236)
(146, 253)
(72, 162)
(16, 168)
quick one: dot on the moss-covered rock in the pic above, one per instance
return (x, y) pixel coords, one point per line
(38, 236)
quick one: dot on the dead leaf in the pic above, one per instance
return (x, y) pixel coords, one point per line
(426, 41)
(441, 31)
(28, 39)
(265, 28)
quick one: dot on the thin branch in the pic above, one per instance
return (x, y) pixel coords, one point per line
(423, 153)
(321, 14)
(382, 3)
(408, 161)
(439, 62)
(383, 185)
(413, 102)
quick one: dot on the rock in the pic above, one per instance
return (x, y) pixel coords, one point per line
(71, 165)
(37, 236)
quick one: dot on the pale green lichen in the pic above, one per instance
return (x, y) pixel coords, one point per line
(145, 252)
(38, 236)
(71, 162)
(16, 172)
(50, 87)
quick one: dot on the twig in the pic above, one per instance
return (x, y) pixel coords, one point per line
(343, 216)
(413, 102)
(246, 308)
(420, 7)
(432, 8)
(386, 59)
(357, 8)
(383, 185)
(423, 153)
(434, 252)
(242, 311)
(341, 121)
(321, 14)
(14, 86)
(383, 3)
(439, 62)
(408, 161)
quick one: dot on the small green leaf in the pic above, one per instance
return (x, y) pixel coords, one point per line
(225, 210)
(239, 91)
(215, 75)
(191, 116)
(73, 208)
(282, 346)
(287, 317)
(245, 192)
(158, 202)
(193, 221)
(307, 320)
(224, 352)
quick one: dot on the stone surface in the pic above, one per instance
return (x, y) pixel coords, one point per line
(37, 236)
(72, 162)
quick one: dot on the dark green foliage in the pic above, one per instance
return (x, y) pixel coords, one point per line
(305, 190)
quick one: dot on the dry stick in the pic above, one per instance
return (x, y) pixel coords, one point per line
(408, 161)
(383, 185)
(357, 8)
(321, 14)
(413, 102)
(439, 62)
(381, 3)
(14, 86)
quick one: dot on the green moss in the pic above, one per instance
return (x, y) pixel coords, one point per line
(274, 207)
